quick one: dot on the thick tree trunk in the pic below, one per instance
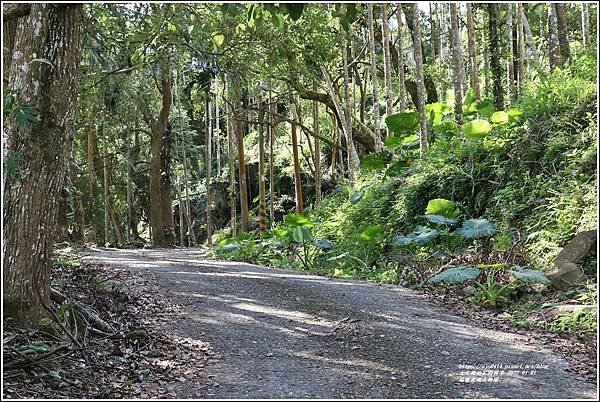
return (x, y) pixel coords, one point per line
(420, 80)
(297, 177)
(520, 49)
(51, 32)
(495, 65)
(401, 80)
(563, 32)
(457, 62)
(553, 47)
(530, 41)
(473, 61)
(376, 123)
(161, 209)
(387, 64)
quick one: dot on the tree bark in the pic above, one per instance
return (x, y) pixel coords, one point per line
(297, 177)
(401, 83)
(31, 201)
(530, 41)
(521, 49)
(553, 46)
(208, 160)
(317, 152)
(512, 85)
(585, 24)
(563, 32)
(239, 122)
(495, 65)
(457, 63)
(387, 64)
(472, 41)
(262, 204)
(376, 128)
(420, 80)
(231, 162)
(105, 187)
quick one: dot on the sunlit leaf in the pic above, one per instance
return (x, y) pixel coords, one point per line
(478, 128)
(529, 275)
(500, 117)
(443, 207)
(456, 274)
(297, 220)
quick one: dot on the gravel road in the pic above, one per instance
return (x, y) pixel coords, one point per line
(285, 334)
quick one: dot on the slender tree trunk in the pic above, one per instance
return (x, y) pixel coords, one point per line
(387, 63)
(457, 62)
(105, 172)
(231, 161)
(553, 47)
(347, 116)
(208, 159)
(563, 32)
(420, 80)
(297, 178)
(115, 224)
(91, 231)
(217, 129)
(30, 204)
(585, 24)
(512, 87)
(530, 41)
(262, 204)
(129, 186)
(239, 121)
(521, 49)
(401, 83)
(317, 149)
(495, 65)
(272, 128)
(178, 181)
(472, 40)
(376, 128)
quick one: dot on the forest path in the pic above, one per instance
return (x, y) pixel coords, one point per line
(285, 334)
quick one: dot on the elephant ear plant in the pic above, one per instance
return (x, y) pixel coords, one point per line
(490, 289)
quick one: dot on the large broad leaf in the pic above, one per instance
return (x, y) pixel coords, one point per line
(500, 117)
(356, 196)
(369, 234)
(375, 161)
(273, 242)
(397, 168)
(424, 234)
(392, 141)
(323, 244)
(403, 123)
(457, 274)
(529, 275)
(302, 234)
(439, 109)
(400, 240)
(446, 128)
(440, 220)
(478, 128)
(486, 108)
(443, 207)
(514, 114)
(297, 220)
(475, 228)
(228, 248)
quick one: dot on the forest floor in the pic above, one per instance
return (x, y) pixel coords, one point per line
(285, 334)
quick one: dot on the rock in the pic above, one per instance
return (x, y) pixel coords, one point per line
(566, 272)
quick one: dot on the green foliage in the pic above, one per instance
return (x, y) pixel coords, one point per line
(456, 274)
(478, 128)
(442, 207)
(403, 123)
(476, 228)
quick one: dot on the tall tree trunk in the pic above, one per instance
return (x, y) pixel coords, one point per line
(297, 177)
(272, 128)
(495, 65)
(387, 63)
(521, 49)
(420, 80)
(472, 41)
(31, 200)
(208, 159)
(90, 232)
(161, 209)
(376, 128)
(106, 201)
(178, 181)
(262, 204)
(347, 116)
(217, 129)
(512, 85)
(530, 41)
(457, 62)
(401, 80)
(553, 47)
(231, 134)
(563, 32)
(129, 186)
(239, 122)
(585, 24)
(317, 149)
